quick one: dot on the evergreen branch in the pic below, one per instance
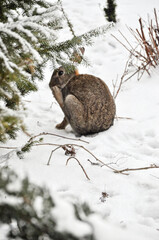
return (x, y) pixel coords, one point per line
(3, 46)
(66, 17)
(6, 61)
(87, 37)
(44, 30)
(26, 46)
(27, 32)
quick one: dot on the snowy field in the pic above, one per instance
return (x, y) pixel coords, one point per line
(132, 209)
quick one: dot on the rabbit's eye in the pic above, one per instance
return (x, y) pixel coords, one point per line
(60, 73)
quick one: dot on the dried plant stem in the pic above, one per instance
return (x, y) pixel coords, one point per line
(46, 144)
(136, 169)
(74, 145)
(126, 39)
(138, 70)
(94, 163)
(79, 164)
(142, 36)
(121, 80)
(121, 43)
(146, 53)
(56, 135)
(48, 163)
(127, 118)
(97, 159)
(154, 176)
(156, 18)
(8, 147)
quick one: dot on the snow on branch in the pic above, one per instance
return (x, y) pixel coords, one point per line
(6, 62)
(51, 13)
(28, 33)
(43, 29)
(26, 46)
(2, 46)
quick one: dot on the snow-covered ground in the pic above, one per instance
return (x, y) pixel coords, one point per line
(132, 208)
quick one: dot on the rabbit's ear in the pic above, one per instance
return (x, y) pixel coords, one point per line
(77, 56)
(82, 49)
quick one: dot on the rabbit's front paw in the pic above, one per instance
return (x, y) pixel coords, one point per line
(58, 95)
(63, 124)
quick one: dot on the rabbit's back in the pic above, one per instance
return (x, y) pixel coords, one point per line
(98, 103)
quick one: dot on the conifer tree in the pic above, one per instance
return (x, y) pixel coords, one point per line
(110, 11)
(28, 38)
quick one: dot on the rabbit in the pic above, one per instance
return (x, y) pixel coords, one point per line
(85, 100)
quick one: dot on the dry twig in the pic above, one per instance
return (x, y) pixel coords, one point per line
(127, 118)
(8, 147)
(137, 169)
(79, 164)
(146, 53)
(56, 135)
(80, 146)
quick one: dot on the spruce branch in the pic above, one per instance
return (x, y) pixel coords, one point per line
(67, 19)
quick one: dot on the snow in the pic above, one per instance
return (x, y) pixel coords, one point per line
(132, 209)
(67, 221)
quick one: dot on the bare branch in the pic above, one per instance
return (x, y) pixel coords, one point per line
(8, 147)
(6, 157)
(94, 163)
(125, 39)
(57, 135)
(156, 18)
(48, 163)
(127, 118)
(129, 50)
(79, 164)
(136, 169)
(146, 53)
(74, 145)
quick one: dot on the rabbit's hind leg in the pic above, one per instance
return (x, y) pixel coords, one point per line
(74, 111)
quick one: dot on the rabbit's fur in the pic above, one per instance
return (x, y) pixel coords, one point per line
(85, 100)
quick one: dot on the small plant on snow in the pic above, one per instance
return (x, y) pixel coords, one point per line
(144, 56)
(28, 39)
(104, 196)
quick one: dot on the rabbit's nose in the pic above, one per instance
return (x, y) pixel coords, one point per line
(50, 84)
(54, 82)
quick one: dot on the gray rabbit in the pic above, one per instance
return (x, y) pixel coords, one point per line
(86, 101)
